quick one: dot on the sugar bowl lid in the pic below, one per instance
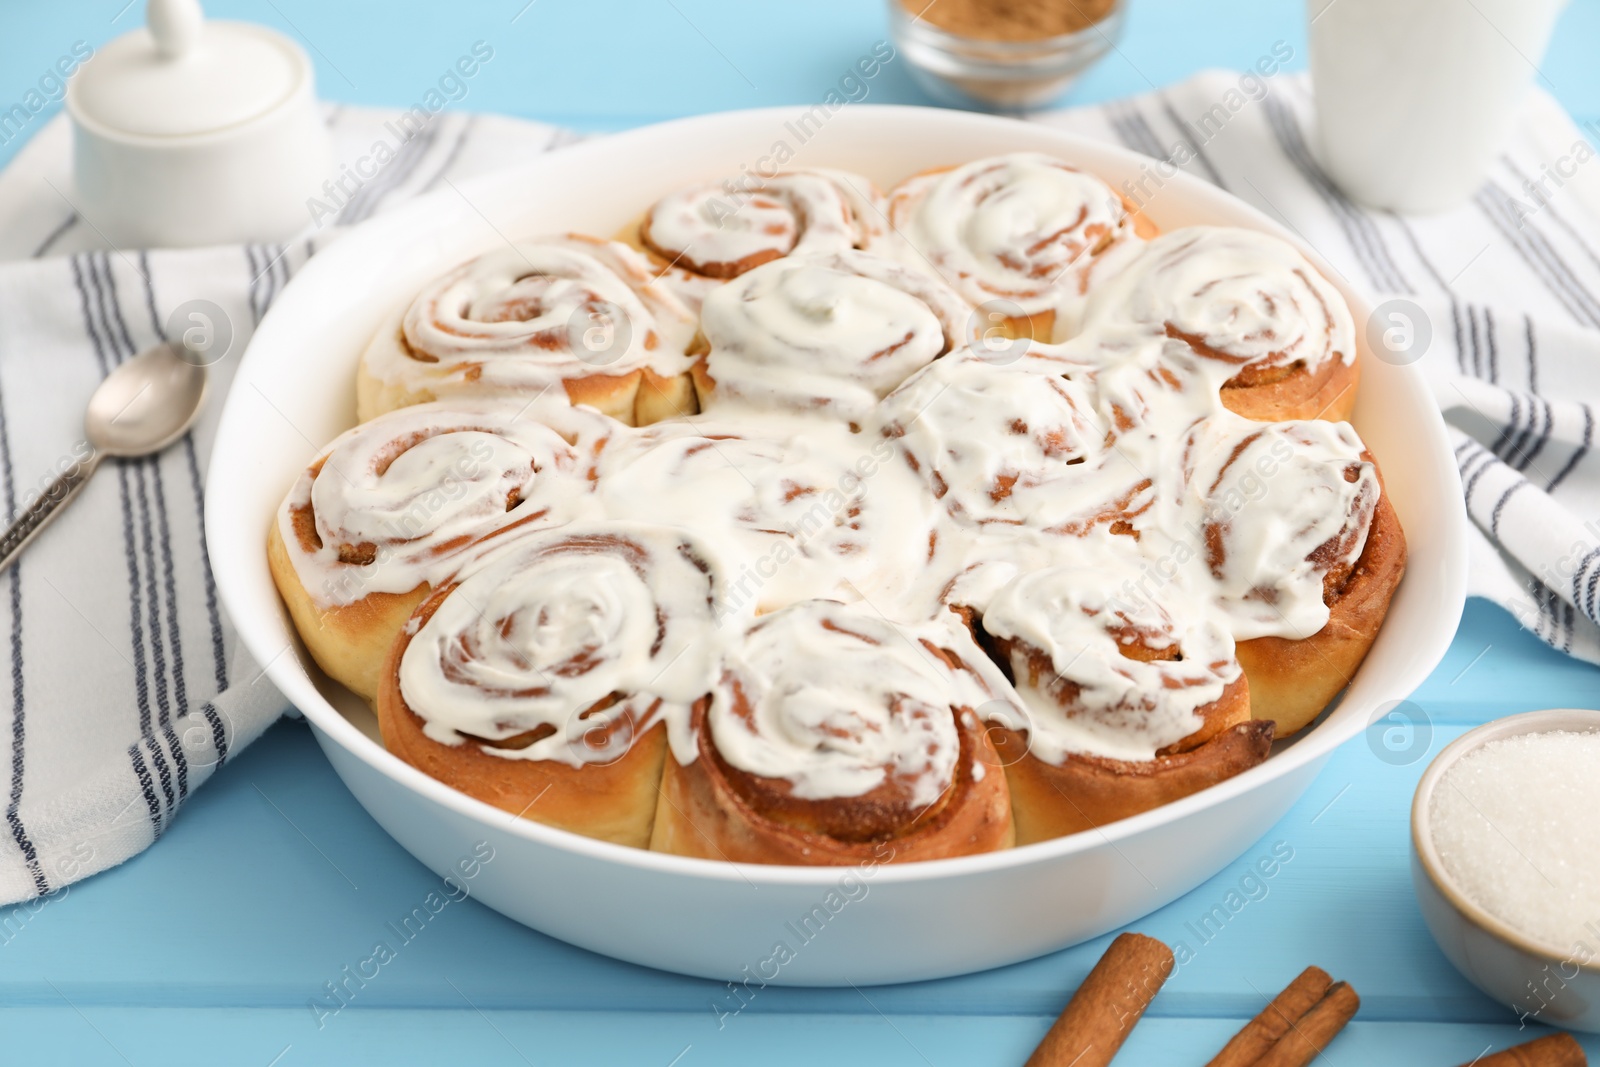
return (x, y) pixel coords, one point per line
(183, 75)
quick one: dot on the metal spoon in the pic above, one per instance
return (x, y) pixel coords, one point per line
(142, 407)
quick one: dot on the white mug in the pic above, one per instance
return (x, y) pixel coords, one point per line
(1414, 97)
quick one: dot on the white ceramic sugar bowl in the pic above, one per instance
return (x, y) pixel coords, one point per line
(1542, 982)
(194, 132)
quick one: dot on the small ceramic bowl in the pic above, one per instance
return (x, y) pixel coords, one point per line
(998, 75)
(1547, 983)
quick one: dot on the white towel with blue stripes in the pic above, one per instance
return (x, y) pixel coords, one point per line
(128, 688)
(1499, 302)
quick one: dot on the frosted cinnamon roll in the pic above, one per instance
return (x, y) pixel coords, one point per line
(1302, 550)
(704, 235)
(568, 314)
(1024, 235)
(794, 508)
(390, 507)
(545, 677)
(1126, 703)
(830, 334)
(835, 737)
(1280, 334)
(773, 532)
(995, 443)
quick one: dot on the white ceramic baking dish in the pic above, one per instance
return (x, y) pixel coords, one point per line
(890, 924)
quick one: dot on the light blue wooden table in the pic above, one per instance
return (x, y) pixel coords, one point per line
(210, 948)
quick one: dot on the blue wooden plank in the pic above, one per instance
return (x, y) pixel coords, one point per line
(181, 1037)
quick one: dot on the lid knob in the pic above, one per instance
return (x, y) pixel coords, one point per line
(175, 25)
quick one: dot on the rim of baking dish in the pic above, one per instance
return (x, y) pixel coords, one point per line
(268, 636)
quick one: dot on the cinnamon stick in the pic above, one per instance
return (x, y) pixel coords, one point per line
(1285, 1010)
(1310, 1034)
(1557, 1050)
(1102, 1013)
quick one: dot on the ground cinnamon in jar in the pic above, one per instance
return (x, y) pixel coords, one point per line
(1010, 20)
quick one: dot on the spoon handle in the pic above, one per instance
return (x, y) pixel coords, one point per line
(42, 510)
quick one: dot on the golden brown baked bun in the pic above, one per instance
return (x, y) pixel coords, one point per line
(1034, 671)
(615, 395)
(1292, 392)
(541, 678)
(917, 779)
(1034, 286)
(566, 314)
(349, 642)
(1301, 550)
(391, 504)
(612, 798)
(770, 347)
(1249, 303)
(1083, 792)
(1126, 705)
(705, 234)
(999, 444)
(663, 397)
(1291, 681)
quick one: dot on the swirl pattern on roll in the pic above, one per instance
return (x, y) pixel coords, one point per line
(565, 643)
(792, 508)
(828, 334)
(838, 702)
(720, 230)
(1238, 296)
(392, 503)
(988, 439)
(1284, 509)
(1104, 669)
(549, 311)
(1024, 231)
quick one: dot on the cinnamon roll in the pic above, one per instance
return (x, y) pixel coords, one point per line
(706, 234)
(997, 444)
(545, 677)
(1005, 518)
(794, 508)
(1022, 234)
(1126, 703)
(828, 334)
(1281, 335)
(1303, 550)
(568, 314)
(835, 737)
(390, 507)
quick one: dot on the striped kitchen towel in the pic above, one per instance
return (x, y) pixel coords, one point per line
(1498, 301)
(128, 688)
